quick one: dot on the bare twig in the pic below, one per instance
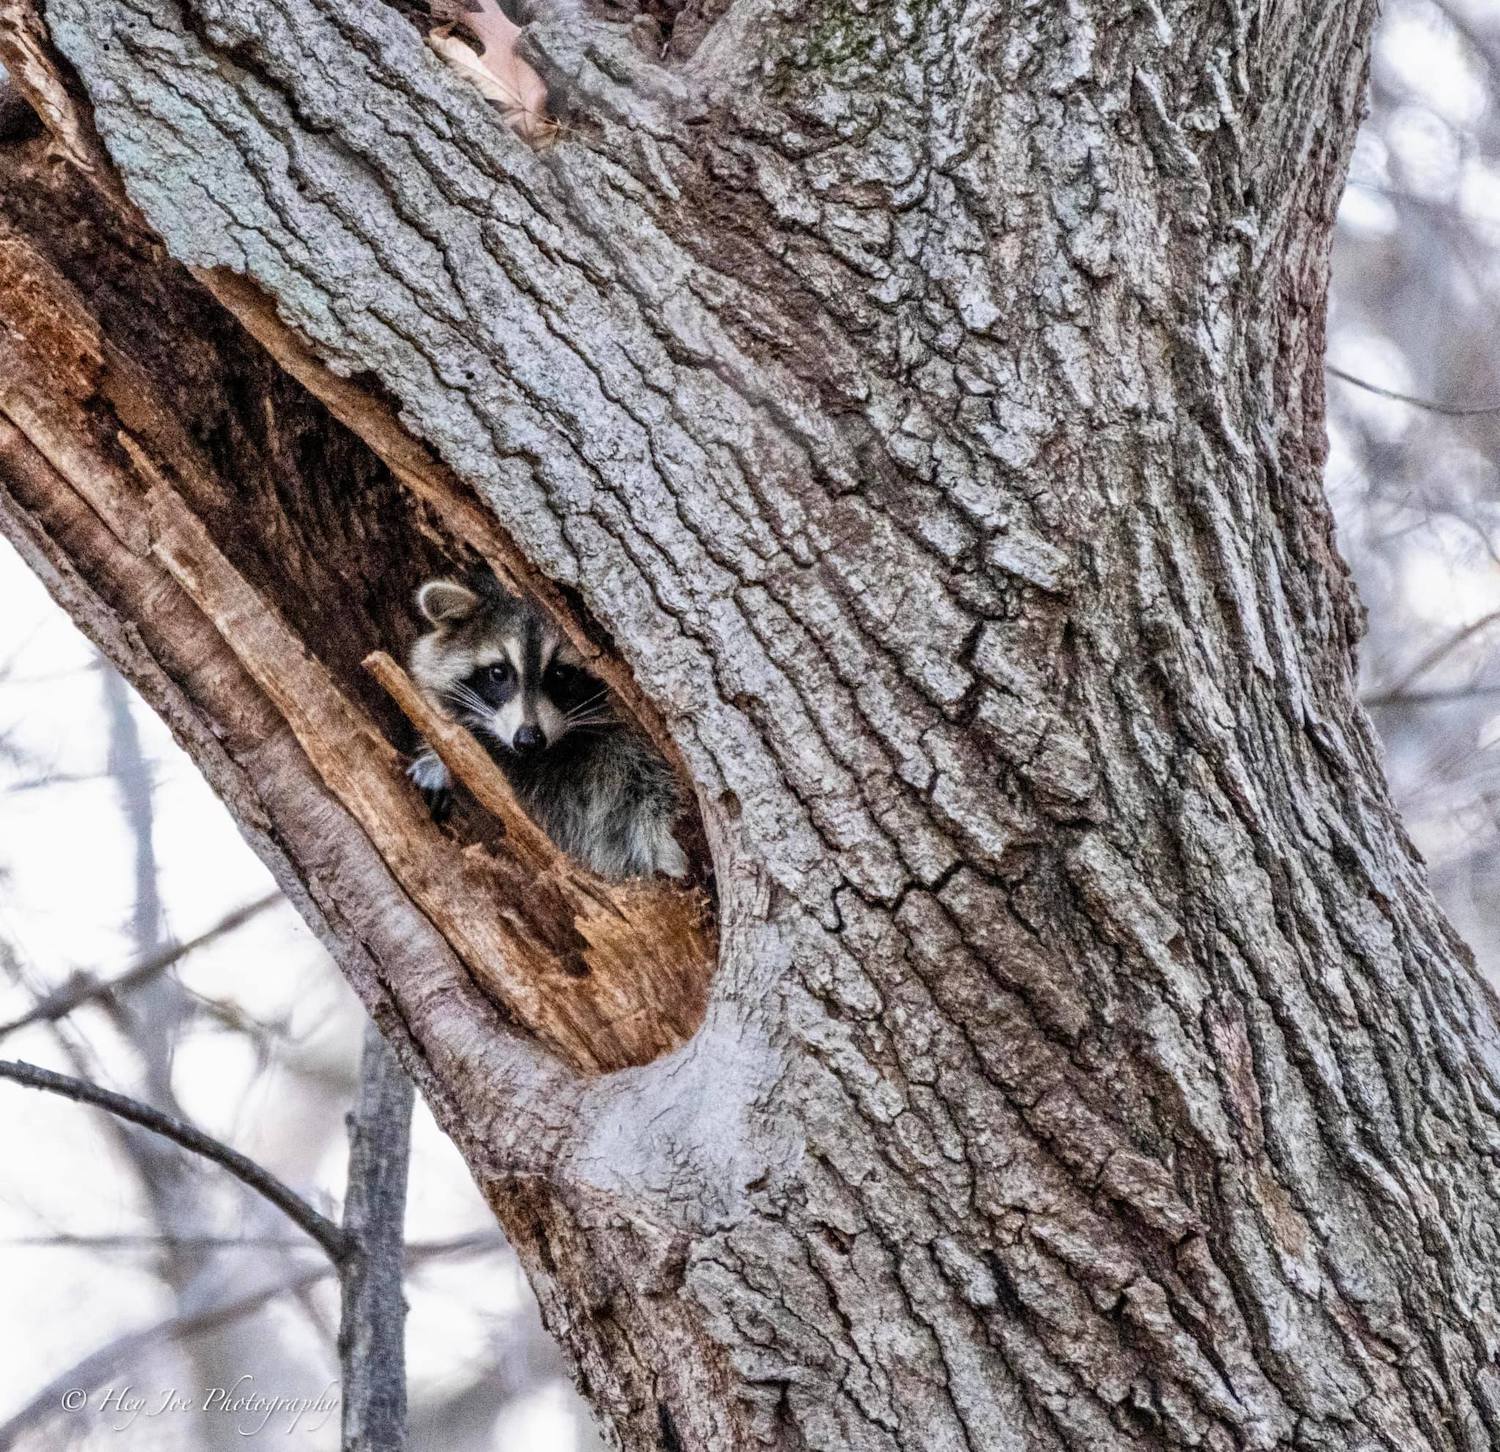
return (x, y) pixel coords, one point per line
(62, 778)
(265, 1184)
(414, 1251)
(1439, 653)
(84, 988)
(85, 1375)
(1448, 410)
(1429, 698)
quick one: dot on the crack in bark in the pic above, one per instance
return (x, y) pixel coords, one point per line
(933, 417)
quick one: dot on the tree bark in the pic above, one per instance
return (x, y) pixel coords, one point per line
(372, 1348)
(924, 406)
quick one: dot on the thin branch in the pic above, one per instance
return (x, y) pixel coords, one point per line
(41, 783)
(1434, 657)
(1448, 410)
(416, 1250)
(88, 1373)
(265, 1184)
(1413, 199)
(85, 988)
(85, 1375)
(372, 1357)
(1429, 698)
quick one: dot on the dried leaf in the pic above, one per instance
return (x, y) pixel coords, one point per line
(499, 73)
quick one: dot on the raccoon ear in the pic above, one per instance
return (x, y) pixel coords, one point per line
(446, 602)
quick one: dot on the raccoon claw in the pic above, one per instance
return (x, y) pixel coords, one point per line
(430, 777)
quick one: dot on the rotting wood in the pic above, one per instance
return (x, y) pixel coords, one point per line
(938, 431)
(653, 930)
(606, 975)
(470, 763)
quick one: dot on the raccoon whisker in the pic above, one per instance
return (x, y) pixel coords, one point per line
(466, 694)
(465, 700)
(609, 801)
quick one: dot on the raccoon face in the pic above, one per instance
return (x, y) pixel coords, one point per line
(504, 669)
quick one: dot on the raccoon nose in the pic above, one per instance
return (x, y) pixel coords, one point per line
(528, 739)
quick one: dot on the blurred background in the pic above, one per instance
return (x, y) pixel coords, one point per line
(1415, 484)
(156, 1271)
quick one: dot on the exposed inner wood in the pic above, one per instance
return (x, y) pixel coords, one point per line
(117, 391)
(471, 764)
(927, 399)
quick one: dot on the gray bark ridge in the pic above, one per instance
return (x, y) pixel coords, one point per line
(372, 1351)
(929, 400)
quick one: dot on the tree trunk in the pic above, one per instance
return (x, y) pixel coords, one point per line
(926, 404)
(372, 1353)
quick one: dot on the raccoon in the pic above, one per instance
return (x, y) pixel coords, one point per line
(498, 665)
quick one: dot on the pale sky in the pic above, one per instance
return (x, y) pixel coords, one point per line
(65, 905)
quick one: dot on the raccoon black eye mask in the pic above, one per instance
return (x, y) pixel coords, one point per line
(500, 666)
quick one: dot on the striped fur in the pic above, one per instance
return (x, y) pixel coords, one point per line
(500, 666)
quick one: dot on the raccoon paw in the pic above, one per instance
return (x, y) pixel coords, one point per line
(430, 777)
(670, 858)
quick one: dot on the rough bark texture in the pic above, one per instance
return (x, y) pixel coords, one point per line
(372, 1348)
(927, 401)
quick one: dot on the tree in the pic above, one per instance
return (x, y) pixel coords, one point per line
(368, 1251)
(922, 408)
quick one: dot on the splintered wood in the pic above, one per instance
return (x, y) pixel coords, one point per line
(607, 975)
(645, 944)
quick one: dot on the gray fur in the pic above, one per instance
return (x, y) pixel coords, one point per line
(597, 787)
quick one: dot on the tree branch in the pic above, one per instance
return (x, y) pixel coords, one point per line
(85, 989)
(1448, 410)
(371, 1346)
(86, 1374)
(412, 1252)
(1439, 653)
(93, 1368)
(1427, 698)
(319, 1227)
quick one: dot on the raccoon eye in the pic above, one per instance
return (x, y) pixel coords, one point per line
(499, 673)
(564, 677)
